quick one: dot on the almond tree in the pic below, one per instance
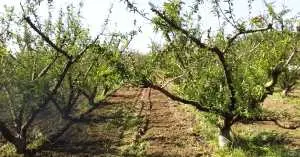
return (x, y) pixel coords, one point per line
(226, 75)
(57, 68)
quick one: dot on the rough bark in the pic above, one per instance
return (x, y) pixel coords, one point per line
(225, 137)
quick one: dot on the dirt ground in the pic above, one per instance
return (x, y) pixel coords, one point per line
(144, 122)
(169, 131)
(164, 129)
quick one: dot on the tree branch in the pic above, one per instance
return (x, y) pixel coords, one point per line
(80, 54)
(185, 32)
(54, 101)
(133, 8)
(270, 119)
(171, 80)
(216, 50)
(46, 38)
(47, 99)
(46, 69)
(232, 39)
(276, 71)
(196, 104)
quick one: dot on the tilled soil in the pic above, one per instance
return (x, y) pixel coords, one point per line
(141, 115)
(164, 129)
(169, 131)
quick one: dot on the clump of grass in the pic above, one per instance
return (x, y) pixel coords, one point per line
(136, 149)
(8, 150)
(248, 142)
(204, 128)
(130, 122)
(261, 144)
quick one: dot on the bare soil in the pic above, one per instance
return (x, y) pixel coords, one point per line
(142, 115)
(169, 131)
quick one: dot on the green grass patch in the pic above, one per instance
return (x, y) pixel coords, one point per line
(248, 142)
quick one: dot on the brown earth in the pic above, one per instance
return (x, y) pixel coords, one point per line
(169, 131)
(165, 130)
(144, 122)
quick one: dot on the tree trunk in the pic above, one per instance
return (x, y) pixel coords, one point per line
(225, 138)
(285, 92)
(26, 152)
(29, 153)
(21, 148)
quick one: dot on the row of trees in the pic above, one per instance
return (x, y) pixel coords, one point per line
(59, 72)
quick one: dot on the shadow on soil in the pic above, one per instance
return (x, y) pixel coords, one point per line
(99, 134)
(266, 144)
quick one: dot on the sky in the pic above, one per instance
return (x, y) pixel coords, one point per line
(95, 11)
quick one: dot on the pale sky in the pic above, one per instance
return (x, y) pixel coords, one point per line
(95, 11)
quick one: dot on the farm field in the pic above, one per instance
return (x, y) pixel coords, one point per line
(144, 122)
(136, 78)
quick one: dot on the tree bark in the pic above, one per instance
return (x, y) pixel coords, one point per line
(29, 153)
(285, 92)
(225, 137)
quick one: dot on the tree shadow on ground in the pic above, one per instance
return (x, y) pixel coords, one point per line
(99, 134)
(266, 144)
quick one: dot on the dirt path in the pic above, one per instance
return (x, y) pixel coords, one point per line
(142, 122)
(169, 131)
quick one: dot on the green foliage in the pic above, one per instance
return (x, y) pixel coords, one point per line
(30, 76)
(203, 80)
(250, 60)
(172, 10)
(288, 79)
(138, 67)
(262, 144)
(8, 150)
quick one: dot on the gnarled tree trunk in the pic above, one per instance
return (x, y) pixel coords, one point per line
(225, 137)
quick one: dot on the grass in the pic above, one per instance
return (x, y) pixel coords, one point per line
(8, 150)
(115, 135)
(252, 140)
(265, 143)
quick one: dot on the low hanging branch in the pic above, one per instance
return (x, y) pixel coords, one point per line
(196, 104)
(269, 118)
